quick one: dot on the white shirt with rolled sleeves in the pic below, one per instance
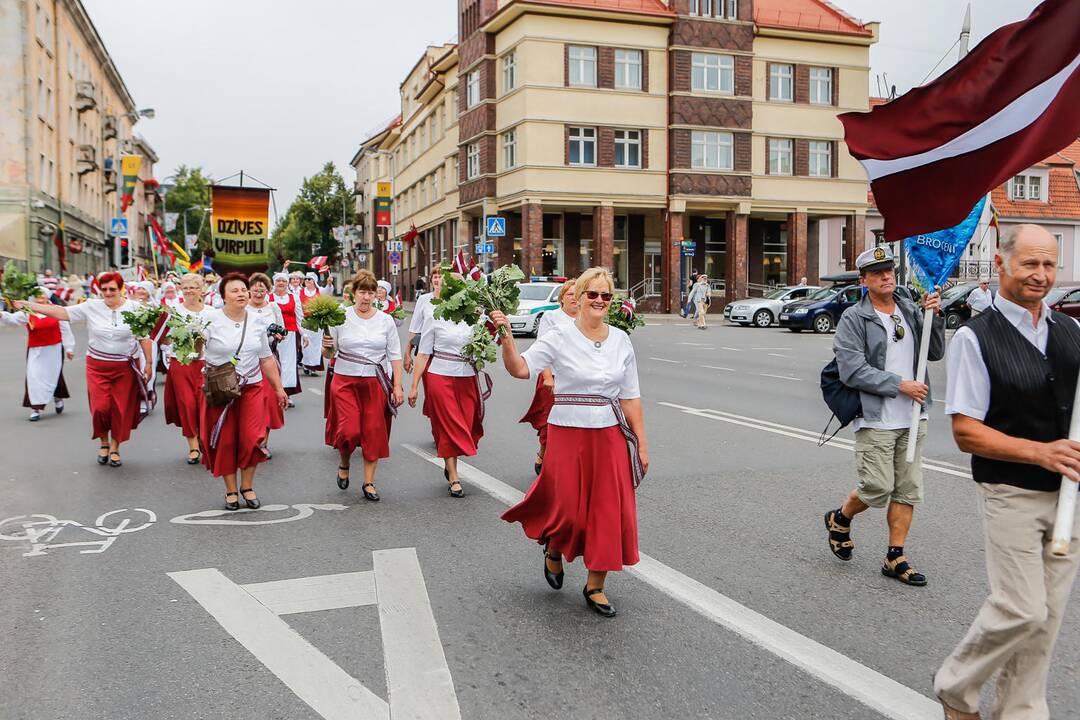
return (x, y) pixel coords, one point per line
(980, 300)
(106, 328)
(969, 381)
(447, 337)
(223, 337)
(374, 338)
(421, 311)
(581, 368)
(552, 319)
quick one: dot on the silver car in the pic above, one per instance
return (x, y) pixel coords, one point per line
(763, 312)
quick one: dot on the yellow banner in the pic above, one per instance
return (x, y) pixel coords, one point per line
(383, 189)
(240, 228)
(130, 165)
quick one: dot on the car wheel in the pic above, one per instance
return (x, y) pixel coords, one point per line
(953, 320)
(536, 325)
(763, 318)
(823, 323)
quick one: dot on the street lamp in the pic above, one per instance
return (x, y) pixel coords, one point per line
(147, 113)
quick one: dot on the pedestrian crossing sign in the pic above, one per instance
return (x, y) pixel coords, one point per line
(495, 226)
(119, 227)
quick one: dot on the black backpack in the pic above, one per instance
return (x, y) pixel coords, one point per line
(843, 401)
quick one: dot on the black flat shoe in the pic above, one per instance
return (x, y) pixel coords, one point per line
(538, 464)
(601, 609)
(235, 504)
(460, 493)
(555, 580)
(252, 503)
(103, 459)
(197, 457)
(342, 482)
(116, 462)
(372, 496)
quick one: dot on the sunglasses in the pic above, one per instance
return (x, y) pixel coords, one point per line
(593, 294)
(898, 328)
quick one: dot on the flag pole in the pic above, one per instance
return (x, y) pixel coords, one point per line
(1066, 508)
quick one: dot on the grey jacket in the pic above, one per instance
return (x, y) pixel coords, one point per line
(699, 292)
(860, 344)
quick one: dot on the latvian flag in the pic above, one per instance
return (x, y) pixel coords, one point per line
(317, 263)
(1014, 100)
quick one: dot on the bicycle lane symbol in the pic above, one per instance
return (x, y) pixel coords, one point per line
(37, 533)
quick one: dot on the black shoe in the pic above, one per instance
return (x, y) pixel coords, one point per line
(252, 503)
(342, 482)
(59, 404)
(601, 609)
(194, 460)
(538, 464)
(555, 580)
(372, 496)
(235, 504)
(103, 459)
(460, 493)
(116, 462)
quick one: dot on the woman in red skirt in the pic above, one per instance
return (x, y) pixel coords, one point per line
(583, 502)
(118, 367)
(453, 399)
(183, 383)
(268, 313)
(232, 435)
(365, 391)
(543, 398)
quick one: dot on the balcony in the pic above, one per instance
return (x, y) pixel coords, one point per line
(108, 127)
(85, 96)
(85, 159)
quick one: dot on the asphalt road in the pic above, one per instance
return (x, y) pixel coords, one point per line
(737, 611)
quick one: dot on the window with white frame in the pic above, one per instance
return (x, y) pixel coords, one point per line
(820, 158)
(1034, 187)
(509, 144)
(628, 148)
(582, 146)
(702, 8)
(42, 100)
(779, 156)
(472, 88)
(1027, 187)
(1061, 249)
(582, 65)
(628, 69)
(472, 161)
(712, 150)
(821, 80)
(435, 184)
(781, 78)
(509, 72)
(731, 12)
(712, 73)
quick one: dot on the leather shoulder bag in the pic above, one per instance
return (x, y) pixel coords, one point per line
(221, 383)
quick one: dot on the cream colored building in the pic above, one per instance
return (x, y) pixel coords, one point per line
(65, 118)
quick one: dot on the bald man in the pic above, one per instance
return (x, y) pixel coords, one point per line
(1012, 378)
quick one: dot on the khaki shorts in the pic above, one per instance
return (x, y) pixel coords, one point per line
(883, 471)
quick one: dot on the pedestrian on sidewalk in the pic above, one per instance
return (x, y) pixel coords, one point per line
(980, 299)
(1012, 378)
(184, 383)
(688, 305)
(366, 389)
(48, 342)
(583, 504)
(876, 348)
(700, 297)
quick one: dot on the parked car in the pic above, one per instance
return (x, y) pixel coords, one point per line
(536, 299)
(821, 310)
(954, 304)
(1065, 300)
(762, 312)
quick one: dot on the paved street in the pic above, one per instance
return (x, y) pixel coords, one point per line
(737, 610)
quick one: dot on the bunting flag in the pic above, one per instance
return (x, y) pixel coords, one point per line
(95, 289)
(140, 272)
(1007, 105)
(129, 169)
(628, 307)
(411, 234)
(196, 266)
(934, 256)
(317, 263)
(995, 224)
(459, 265)
(58, 241)
(180, 253)
(475, 273)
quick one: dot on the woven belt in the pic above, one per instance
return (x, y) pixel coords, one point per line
(484, 393)
(380, 374)
(243, 377)
(147, 395)
(631, 438)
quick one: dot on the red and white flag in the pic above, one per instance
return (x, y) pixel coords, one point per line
(317, 263)
(95, 289)
(932, 153)
(140, 272)
(459, 265)
(628, 307)
(474, 270)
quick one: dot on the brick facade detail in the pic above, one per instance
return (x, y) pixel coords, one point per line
(713, 35)
(710, 184)
(797, 247)
(475, 190)
(476, 121)
(604, 236)
(532, 237)
(711, 112)
(737, 231)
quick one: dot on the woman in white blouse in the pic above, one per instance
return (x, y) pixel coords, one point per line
(292, 314)
(366, 388)
(267, 313)
(537, 414)
(232, 436)
(48, 342)
(583, 502)
(118, 366)
(453, 398)
(311, 356)
(183, 383)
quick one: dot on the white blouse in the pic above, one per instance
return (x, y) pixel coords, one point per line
(375, 339)
(106, 328)
(421, 311)
(298, 308)
(581, 368)
(448, 337)
(550, 319)
(223, 337)
(267, 315)
(67, 338)
(184, 312)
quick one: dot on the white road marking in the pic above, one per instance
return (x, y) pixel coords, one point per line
(717, 367)
(731, 349)
(778, 355)
(771, 348)
(876, 691)
(780, 377)
(317, 391)
(690, 343)
(310, 594)
(803, 434)
(676, 362)
(224, 517)
(37, 532)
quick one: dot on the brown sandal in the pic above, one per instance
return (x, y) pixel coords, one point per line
(900, 569)
(840, 542)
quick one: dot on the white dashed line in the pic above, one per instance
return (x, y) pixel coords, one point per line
(779, 355)
(676, 362)
(779, 377)
(731, 349)
(717, 367)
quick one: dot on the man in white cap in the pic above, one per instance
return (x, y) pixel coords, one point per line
(980, 298)
(876, 348)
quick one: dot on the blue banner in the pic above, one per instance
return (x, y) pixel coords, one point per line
(934, 256)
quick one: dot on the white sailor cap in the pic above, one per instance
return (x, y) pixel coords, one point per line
(385, 285)
(876, 258)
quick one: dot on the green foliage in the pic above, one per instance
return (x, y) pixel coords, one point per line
(322, 203)
(188, 333)
(143, 320)
(322, 313)
(18, 285)
(617, 317)
(480, 349)
(190, 189)
(465, 300)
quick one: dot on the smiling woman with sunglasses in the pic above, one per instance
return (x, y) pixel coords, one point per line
(583, 504)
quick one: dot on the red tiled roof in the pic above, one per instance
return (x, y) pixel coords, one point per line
(1063, 193)
(812, 15)
(1071, 152)
(641, 7)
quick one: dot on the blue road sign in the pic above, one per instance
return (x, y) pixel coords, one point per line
(485, 248)
(495, 226)
(119, 227)
(688, 253)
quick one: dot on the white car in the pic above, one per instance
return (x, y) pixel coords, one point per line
(763, 312)
(536, 299)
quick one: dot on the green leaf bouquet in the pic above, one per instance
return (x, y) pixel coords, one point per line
(143, 320)
(322, 313)
(188, 334)
(18, 285)
(622, 313)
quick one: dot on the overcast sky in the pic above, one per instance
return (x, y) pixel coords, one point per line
(278, 88)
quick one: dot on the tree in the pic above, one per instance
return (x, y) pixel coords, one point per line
(190, 189)
(324, 202)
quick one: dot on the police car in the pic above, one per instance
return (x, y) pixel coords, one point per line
(536, 299)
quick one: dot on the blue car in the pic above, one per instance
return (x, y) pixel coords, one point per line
(822, 310)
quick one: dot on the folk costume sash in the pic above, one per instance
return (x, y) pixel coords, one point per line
(484, 393)
(243, 378)
(380, 374)
(147, 395)
(631, 438)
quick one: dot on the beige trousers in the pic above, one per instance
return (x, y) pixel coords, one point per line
(699, 316)
(1016, 627)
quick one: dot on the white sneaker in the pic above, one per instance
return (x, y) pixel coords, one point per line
(35, 416)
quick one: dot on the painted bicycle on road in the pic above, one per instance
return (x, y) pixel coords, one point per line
(39, 533)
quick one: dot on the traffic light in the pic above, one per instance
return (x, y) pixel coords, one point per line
(121, 252)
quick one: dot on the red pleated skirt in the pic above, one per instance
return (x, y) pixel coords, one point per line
(114, 398)
(452, 404)
(242, 433)
(537, 414)
(184, 396)
(358, 417)
(275, 414)
(583, 502)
